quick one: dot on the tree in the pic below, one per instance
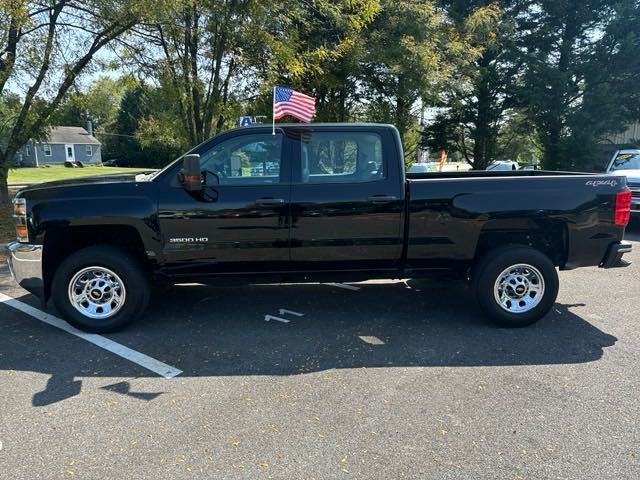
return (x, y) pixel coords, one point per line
(145, 132)
(413, 51)
(442, 134)
(133, 109)
(44, 48)
(331, 41)
(211, 57)
(9, 109)
(98, 104)
(404, 53)
(477, 95)
(518, 140)
(581, 69)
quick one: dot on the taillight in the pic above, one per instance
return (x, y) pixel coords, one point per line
(623, 207)
(20, 216)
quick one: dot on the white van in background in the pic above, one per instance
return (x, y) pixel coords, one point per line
(627, 162)
(503, 165)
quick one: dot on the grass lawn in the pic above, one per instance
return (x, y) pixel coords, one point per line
(27, 175)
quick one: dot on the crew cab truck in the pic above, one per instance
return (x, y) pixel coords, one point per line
(318, 202)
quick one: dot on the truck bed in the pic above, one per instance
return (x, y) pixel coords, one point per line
(465, 213)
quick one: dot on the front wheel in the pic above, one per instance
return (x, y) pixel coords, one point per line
(100, 289)
(515, 286)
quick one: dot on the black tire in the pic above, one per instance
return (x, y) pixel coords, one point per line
(135, 282)
(491, 267)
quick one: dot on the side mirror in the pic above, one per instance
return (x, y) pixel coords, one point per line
(191, 176)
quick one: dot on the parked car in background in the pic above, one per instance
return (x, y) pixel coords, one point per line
(420, 168)
(503, 165)
(627, 162)
(117, 162)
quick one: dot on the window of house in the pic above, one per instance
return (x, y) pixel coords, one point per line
(89, 150)
(245, 160)
(341, 157)
(27, 150)
(47, 149)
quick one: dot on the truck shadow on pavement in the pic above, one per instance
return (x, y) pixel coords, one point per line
(206, 331)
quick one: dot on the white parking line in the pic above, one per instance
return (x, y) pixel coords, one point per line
(145, 361)
(370, 339)
(284, 311)
(343, 285)
(268, 318)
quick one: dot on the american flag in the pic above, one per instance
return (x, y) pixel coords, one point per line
(289, 102)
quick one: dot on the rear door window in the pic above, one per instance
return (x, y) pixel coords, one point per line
(341, 157)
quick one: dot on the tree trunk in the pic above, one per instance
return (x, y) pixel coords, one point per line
(4, 174)
(342, 109)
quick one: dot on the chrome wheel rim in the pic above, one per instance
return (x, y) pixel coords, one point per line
(97, 292)
(519, 288)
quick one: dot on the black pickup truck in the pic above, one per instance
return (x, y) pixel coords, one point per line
(323, 202)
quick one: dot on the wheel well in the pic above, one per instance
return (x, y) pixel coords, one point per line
(548, 237)
(59, 243)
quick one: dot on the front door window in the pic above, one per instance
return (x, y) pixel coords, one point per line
(245, 160)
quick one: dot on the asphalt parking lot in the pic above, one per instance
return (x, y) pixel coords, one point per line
(384, 380)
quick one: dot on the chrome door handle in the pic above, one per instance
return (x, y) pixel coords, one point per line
(383, 198)
(270, 202)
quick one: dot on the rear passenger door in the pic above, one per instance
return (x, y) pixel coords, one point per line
(346, 200)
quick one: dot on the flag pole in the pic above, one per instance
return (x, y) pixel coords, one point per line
(273, 110)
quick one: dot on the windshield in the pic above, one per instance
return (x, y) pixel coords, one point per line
(626, 161)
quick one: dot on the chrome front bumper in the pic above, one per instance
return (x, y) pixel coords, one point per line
(25, 263)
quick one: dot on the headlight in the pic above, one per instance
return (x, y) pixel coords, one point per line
(20, 215)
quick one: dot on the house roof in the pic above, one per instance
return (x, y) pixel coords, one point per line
(76, 135)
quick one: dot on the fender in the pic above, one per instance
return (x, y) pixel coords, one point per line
(133, 211)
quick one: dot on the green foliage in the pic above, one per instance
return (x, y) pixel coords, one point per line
(99, 103)
(327, 43)
(518, 140)
(145, 129)
(405, 52)
(581, 70)
(215, 56)
(9, 109)
(45, 47)
(478, 95)
(518, 79)
(440, 134)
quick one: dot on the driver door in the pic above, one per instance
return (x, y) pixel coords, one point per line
(241, 222)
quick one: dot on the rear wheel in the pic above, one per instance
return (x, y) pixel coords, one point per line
(515, 286)
(100, 289)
